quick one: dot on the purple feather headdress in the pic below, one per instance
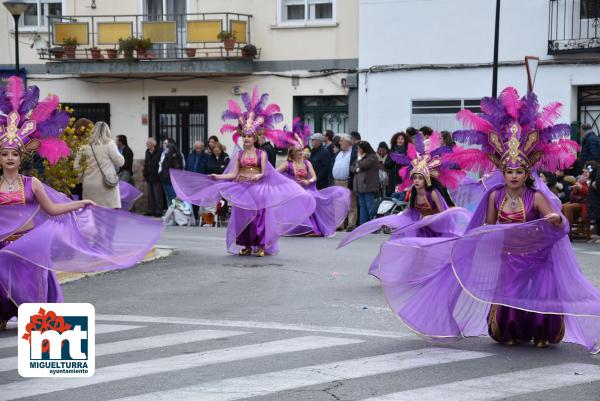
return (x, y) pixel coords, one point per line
(299, 136)
(429, 158)
(27, 124)
(512, 132)
(259, 118)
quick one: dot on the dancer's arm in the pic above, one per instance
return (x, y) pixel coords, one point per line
(311, 172)
(51, 208)
(282, 167)
(543, 206)
(492, 213)
(263, 167)
(436, 200)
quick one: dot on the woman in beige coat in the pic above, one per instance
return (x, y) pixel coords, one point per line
(108, 159)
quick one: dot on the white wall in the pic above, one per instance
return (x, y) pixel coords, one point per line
(129, 99)
(385, 99)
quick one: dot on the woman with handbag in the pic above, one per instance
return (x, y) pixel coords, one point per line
(100, 180)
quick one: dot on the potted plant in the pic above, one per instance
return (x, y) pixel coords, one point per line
(190, 52)
(70, 45)
(112, 53)
(127, 46)
(58, 52)
(228, 39)
(143, 45)
(249, 51)
(96, 53)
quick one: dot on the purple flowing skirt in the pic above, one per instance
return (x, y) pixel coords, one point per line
(129, 195)
(332, 206)
(274, 202)
(87, 240)
(515, 281)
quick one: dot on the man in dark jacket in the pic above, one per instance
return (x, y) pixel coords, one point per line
(320, 160)
(590, 145)
(153, 186)
(198, 159)
(266, 146)
(126, 171)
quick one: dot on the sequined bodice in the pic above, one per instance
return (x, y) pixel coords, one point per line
(18, 197)
(428, 207)
(249, 161)
(524, 211)
(301, 173)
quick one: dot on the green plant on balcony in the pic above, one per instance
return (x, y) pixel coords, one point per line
(70, 45)
(127, 46)
(143, 46)
(228, 38)
(96, 53)
(249, 51)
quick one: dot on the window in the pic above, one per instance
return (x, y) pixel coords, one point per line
(441, 114)
(305, 12)
(590, 9)
(37, 13)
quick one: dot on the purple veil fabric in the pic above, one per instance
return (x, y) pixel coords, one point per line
(409, 223)
(444, 287)
(286, 204)
(87, 240)
(129, 194)
(332, 204)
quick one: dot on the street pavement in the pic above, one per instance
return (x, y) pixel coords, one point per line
(307, 324)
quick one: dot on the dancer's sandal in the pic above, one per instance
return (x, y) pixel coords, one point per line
(260, 252)
(245, 252)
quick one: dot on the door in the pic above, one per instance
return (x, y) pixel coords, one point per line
(181, 118)
(588, 103)
(92, 111)
(323, 112)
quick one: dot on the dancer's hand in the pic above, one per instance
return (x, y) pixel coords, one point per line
(305, 182)
(257, 177)
(214, 176)
(554, 218)
(87, 202)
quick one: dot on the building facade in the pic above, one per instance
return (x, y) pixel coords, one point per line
(304, 50)
(422, 61)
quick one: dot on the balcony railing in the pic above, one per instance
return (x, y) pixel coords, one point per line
(172, 37)
(573, 26)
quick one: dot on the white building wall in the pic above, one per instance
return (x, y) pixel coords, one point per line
(129, 99)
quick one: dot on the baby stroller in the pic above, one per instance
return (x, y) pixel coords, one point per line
(387, 206)
(180, 213)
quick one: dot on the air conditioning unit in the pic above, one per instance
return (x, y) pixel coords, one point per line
(237, 90)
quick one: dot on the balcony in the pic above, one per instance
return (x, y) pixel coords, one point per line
(573, 26)
(145, 44)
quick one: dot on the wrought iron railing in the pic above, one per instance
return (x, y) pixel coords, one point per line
(573, 26)
(184, 36)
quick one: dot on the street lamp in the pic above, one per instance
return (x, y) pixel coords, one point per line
(496, 40)
(16, 8)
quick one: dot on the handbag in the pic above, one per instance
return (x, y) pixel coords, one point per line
(108, 181)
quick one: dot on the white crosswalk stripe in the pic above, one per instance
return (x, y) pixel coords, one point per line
(268, 383)
(145, 343)
(502, 386)
(100, 329)
(35, 387)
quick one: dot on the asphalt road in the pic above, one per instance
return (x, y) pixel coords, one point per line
(307, 324)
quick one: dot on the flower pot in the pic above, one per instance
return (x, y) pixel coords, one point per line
(190, 52)
(229, 44)
(58, 54)
(248, 54)
(112, 53)
(96, 54)
(141, 53)
(150, 55)
(70, 51)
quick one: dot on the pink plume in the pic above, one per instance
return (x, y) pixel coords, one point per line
(255, 97)
(433, 142)
(228, 128)
(472, 120)
(234, 107)
(558, 155)
(451, 178)
(235, 137)
(471, 159)
(411, 151)
(53, 149)
(44, 109)
(547, 117)
(15, 91)
(510, 100)
(271, 109)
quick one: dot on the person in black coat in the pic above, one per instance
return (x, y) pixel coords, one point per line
(320, 159)
(153, 185)
(171, 159)
(218, 161)
(594, 200)
(590, 145)
(398, 144)
(197, 159)
(266, 146)
(125, 173)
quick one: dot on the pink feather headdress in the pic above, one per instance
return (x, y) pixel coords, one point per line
(27, 124)
(300, 134)
(259, 118)
(512, 132)
(430, 159)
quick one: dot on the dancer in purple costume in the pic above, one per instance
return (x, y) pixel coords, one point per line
(426, 166)
(265, 204)
(332, 203)
(41, 230)
(513, 275)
